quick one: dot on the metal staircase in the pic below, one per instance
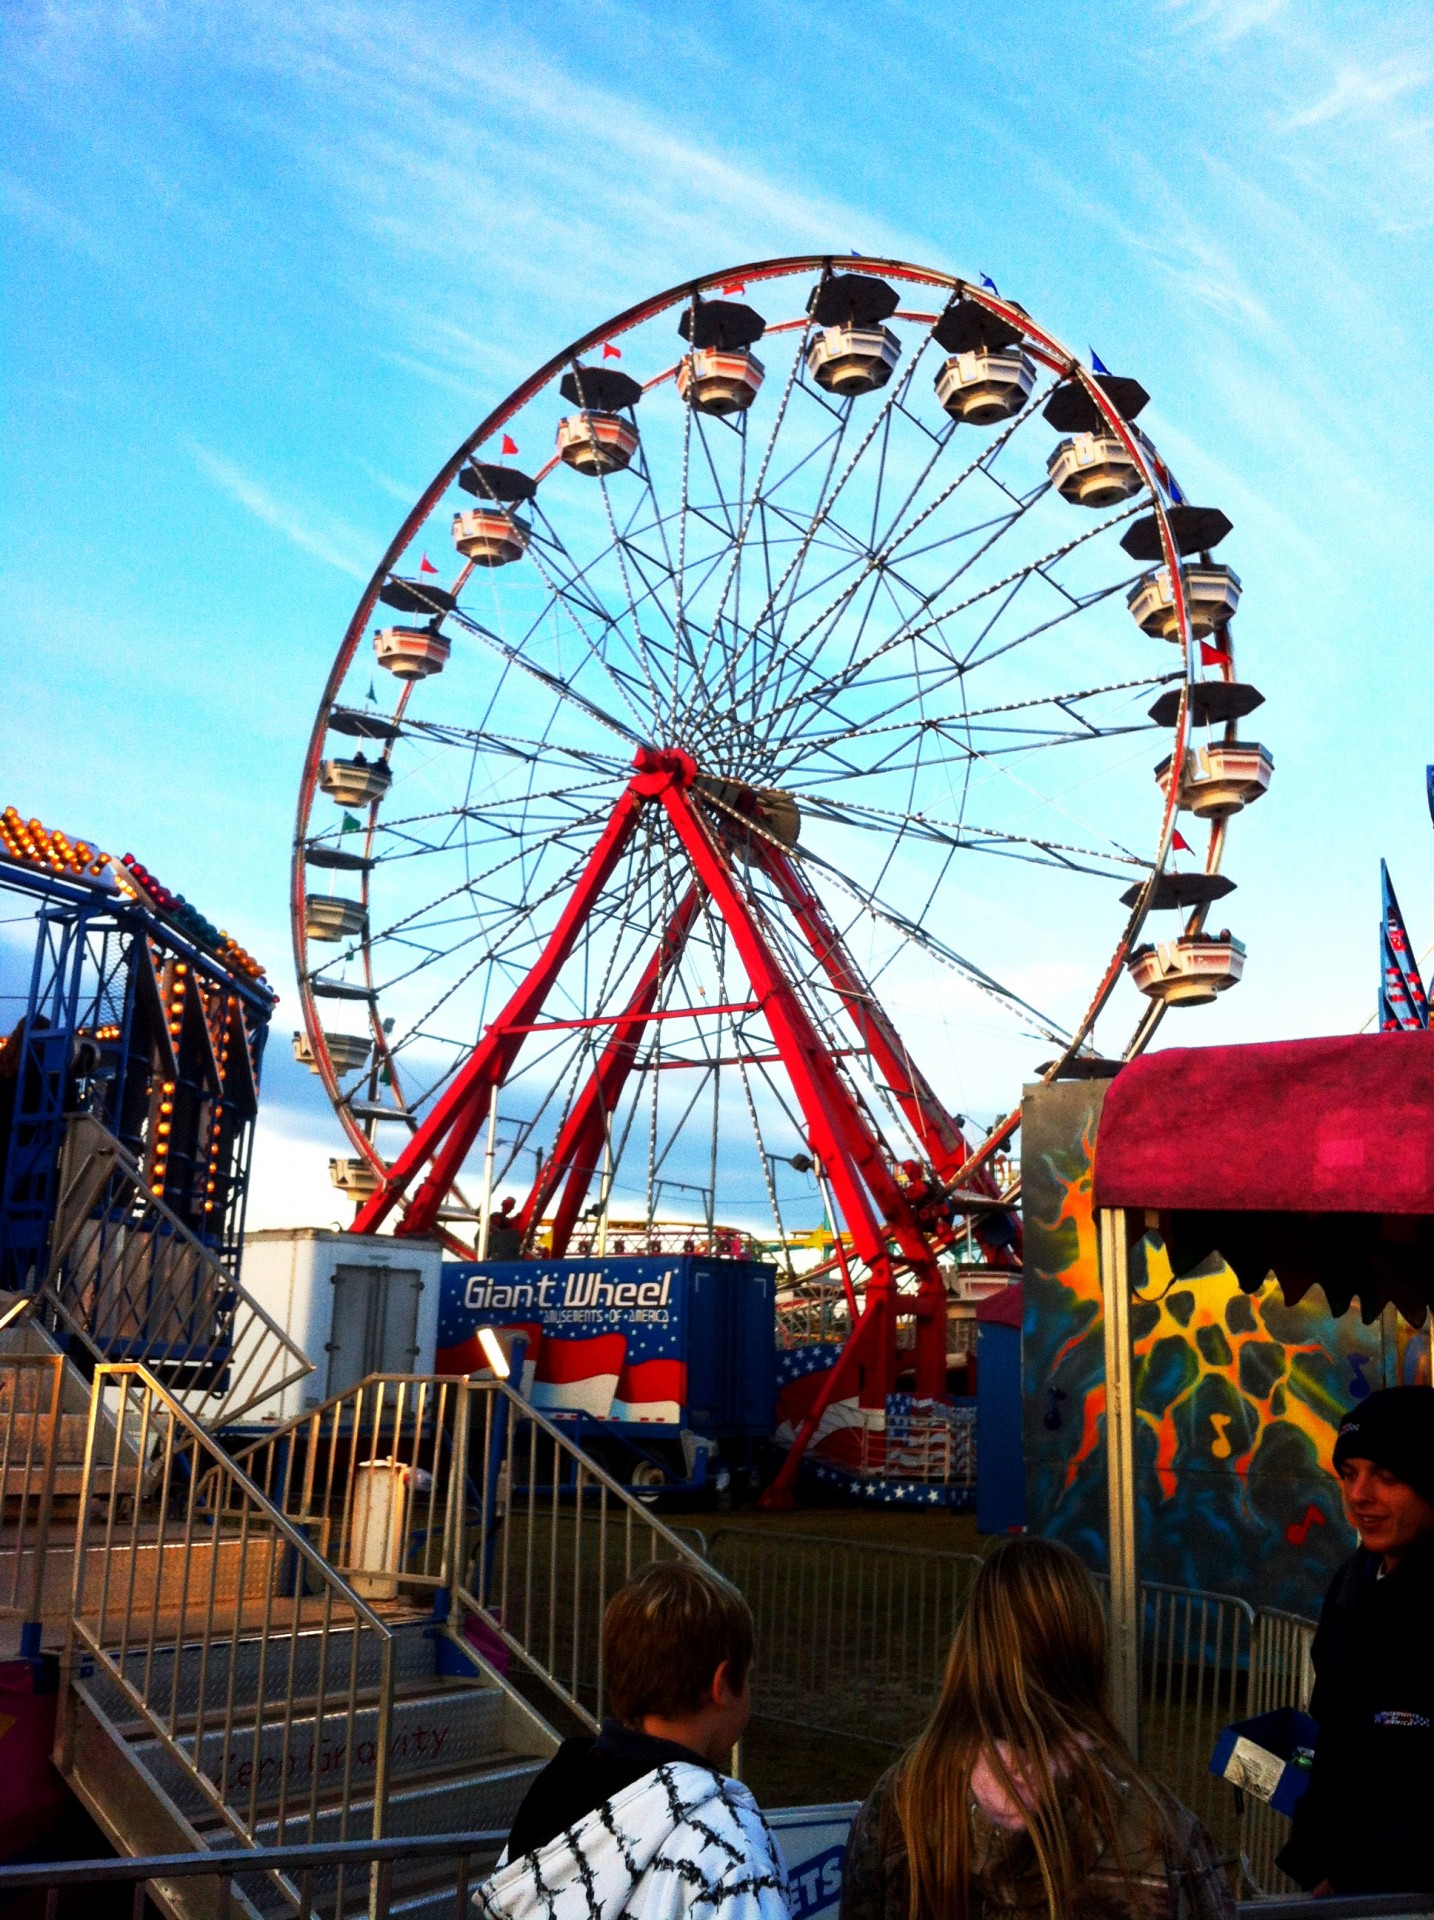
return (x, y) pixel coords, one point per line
(224, 1683)
(359, 1627)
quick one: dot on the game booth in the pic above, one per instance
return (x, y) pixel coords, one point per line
(1206, 1221)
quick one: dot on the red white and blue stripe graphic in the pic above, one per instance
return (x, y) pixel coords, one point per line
(1403, 1003)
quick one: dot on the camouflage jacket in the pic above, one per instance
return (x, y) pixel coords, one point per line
(1172, 1871)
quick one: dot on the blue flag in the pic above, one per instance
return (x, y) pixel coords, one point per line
(987, 281)
(1429, 788)
(1097, 365)
(1403, 1005)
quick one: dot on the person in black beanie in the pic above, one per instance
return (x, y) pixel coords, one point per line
(1364, 1824)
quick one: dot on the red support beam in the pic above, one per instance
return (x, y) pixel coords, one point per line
(871, 1199)
(930, 1122)
(578, 1150)
(945, 1144)
(446, 1136)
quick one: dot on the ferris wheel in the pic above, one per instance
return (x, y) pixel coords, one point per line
(829, 684)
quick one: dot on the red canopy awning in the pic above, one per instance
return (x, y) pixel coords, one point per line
(1311, 1158)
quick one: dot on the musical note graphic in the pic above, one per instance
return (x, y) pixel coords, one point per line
(1221, 1446)
(1358, 1385)
(1299, 1531)
(1051, 1419)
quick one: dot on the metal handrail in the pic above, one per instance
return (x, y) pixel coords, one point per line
(295, 1866)
(534, 1554)
(542, 1563)
(92, 1273)
(35, 1470)
(401, 1422)
(155, 1641)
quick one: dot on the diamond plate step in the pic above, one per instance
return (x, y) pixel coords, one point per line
(446, 1730)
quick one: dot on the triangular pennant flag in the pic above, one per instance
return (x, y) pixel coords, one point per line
(1177, 498)
(610, 352)
(1097, 365)
(1213, 656)
(1180, 843)
(352, 824)
(1403, 1004)
(510, 445)
(425, 565)
(372, 693)
(987, 281)
(734, 286)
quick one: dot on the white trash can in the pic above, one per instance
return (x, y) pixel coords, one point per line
(378, 1531)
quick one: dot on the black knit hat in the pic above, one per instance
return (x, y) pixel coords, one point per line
(1395, 1429)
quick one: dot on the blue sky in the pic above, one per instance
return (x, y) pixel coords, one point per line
(264, 267)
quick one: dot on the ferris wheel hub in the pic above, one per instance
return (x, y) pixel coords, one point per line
(659, 768)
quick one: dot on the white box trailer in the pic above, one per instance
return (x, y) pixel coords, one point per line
(356, 1304)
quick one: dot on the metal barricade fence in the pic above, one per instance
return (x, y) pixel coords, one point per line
(852, 1636)
(1195, 1668)
(852, 1639)
(1281, 1675)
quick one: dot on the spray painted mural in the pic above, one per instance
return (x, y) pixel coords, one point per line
(1237, 1395)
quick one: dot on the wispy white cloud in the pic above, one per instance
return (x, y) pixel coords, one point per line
(1360, 92)
(1224, 21)
(324, 538)
(385, 482)
(22, 203)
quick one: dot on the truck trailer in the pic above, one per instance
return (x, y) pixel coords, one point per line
(662, 1366)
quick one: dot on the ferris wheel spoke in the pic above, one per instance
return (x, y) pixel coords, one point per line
(554, 682)
(967, 835)
(938, 949)
(799, 751)
(755, 498)
(925, 602)
(882, 553)
(635, 643)
(930, 628)
(581, 605)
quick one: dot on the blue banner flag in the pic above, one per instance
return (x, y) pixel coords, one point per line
(1403, 1005)
(1429, 789)
(987, 281)
(1097, 365)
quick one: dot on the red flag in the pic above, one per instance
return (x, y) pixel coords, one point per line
(1180, 843)
(734, 286)
(1211, 656)
(510, 445)
(425, 565)
(610, 352)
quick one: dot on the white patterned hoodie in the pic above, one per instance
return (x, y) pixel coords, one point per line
(681, 1840)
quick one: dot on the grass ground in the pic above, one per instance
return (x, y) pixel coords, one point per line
(790, 1766)
(885, 1526)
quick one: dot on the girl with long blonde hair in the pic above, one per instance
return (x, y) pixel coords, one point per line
(1020, 1796)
